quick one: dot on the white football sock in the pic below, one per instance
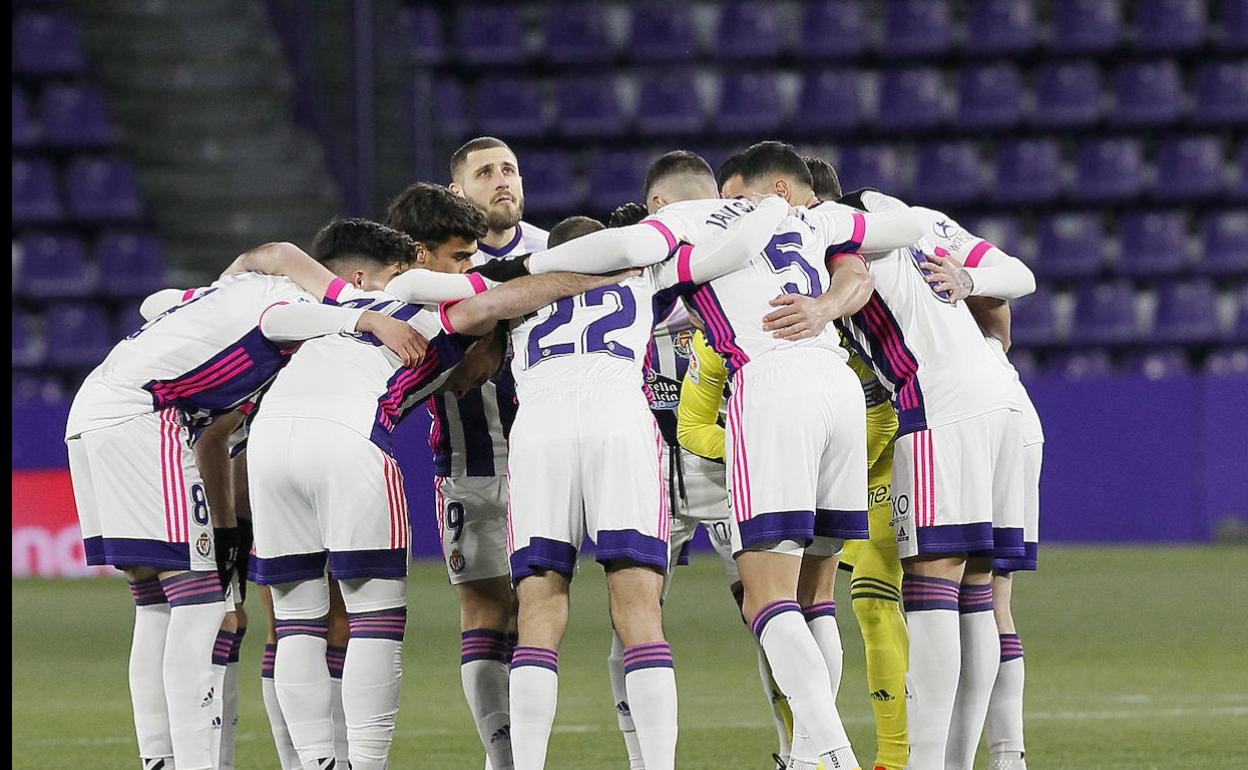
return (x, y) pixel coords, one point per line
(778, 702)
(301, 674)
(371, 682)
(821, 620)
(650, 681)
(534, 692)
(197, 607)
(147, 679)
(483, 672)
(935, 659)
(1004, 725)
(335, 659)
(220, 661)
(623, 711)
(981, 656)
(229, 715)
(286, 754)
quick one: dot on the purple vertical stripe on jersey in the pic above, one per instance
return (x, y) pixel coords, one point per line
(650, 655)
(894, 360)
(920, 592)
(268, 660)
(770, 611)
(719, 332)
(975, 598)
(541, 657)
(1011, 647)
(483, 644)
(410, 386)
(225, 380)
(478, 441)
(318, 627)
(147, 592)
(222, 646)
(193, 588)
(335, 659)
(505, 395)
(379, 624)
(440, 434)
(237, 647)
(819, 610)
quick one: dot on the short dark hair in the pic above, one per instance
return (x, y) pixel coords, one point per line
(627, 214)
(673, 163)
(361, 239)
(773, 157)
(728, 169)
(573, 228)
(432, 215)
(460, 156)
(827, 184)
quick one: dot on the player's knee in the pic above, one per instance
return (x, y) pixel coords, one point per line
(488, 603)
(874, 614)
(301, 600)
(371, 594)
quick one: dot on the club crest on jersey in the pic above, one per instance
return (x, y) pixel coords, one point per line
(203, 544)
(457, 562)
(683, 343)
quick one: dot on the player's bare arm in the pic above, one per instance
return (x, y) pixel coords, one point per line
(799, 317)
(477, 315)
(480, 363)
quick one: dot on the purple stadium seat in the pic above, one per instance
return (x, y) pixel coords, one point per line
(1234, 25)
(1025, 362)
(450, 108)
(616, 177)
(1190, 167)
(1222, 94)
(590, 107)
(1086, 26)
(549, 184)
(78, 335)
(46, 44)
(1187, 313)
(832, 100)
(1154, 243)
(75, 117)
(1067, 94)
(1070, 246)
(1240, 331)
(878, 166)
(577, 34)
(750, 103)
(34, 193)
(989, 97)
(34, 390)
(748, 30)
(1228, 362)
(1147, 94)
(1000, 27)
(669, 104)
(28, 348)
(1108, 170)
(101, 189)
(1002, 230)
(918, 27)
(663, 32)
(834, 28)
(912, 99)
(1092, 364)
(1033, 320)
(1106, 313)
(127, 321)
(25, 131)
(1029, 171)
(948, 173)
(56, 267)
(1240, 189)
(1169, 25)
(131, 264)
(1159, 364)
(511, 108)
(489, 34)
(1226, 244)
(423, 32)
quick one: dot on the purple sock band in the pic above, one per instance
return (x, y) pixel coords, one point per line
(238, 645)
(222, 646)
(379, 624)
(975, 598)
(193, 588)
(819, 610)
(512, 639)
(771, 610)
(483, 644)
(920, 592)
(147, 592)
(335, 658)
(267, 661)
(1011, 647)
(318, 627)
(541, 657)
(652, 655)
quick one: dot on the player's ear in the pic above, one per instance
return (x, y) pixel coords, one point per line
(656, 202)
(357, 279)
(455, 189)
(422, 255)
(782, 188)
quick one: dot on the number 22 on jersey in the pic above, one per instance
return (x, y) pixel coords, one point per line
(594, 337)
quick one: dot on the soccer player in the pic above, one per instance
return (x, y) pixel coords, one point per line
(141, 501)
(325, 426)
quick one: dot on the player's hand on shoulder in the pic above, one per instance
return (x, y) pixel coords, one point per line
(945, 273)
(504, 268)
(797, 317)
(407, 343)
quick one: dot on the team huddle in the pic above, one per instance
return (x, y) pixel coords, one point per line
(818, 379)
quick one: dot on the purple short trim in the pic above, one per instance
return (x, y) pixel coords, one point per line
(847, 525)
(1027, 563)
(267, 661)
(335, 659)
(769, 612)
(541, 657)
(778, 525)
(287, 569)
(136, 552)
(318, 627)
(919, 592)
(682, 559)
(1011, 647)
(819, 610)
(379, 563)
(379, 624)
(1007, 543)
(975, 598)
(652, 655)
(632, 546)
(189, 588)
(543, 553)
(483, 644)
(971, 539)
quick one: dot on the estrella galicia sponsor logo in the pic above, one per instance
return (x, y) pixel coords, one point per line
(664, 392)
(457, 562)
(203, 544)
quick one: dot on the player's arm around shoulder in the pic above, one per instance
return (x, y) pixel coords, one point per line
(799, 317)
(701, 395)
(477, 315)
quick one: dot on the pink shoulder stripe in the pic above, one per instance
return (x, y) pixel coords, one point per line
(478, 283)
(335, 289)
(860, 228)
(977, 253)
(662, 228)
(684, 273)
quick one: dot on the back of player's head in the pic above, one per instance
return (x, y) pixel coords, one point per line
(686, 174)
(827, 185)
(573, 228)
(460, 156)
(355, 241)
(771, 159)
(627, 214)
(728, 169)
(432, 215)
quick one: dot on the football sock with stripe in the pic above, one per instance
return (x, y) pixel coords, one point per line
(623, 710)
(1004, 725)
(335, 658)
(981, 654)
(286, 754)
(534, 694)
(196, 609)
(229, 707)
(650, 680)
(781, 714)
(821, 620)
(483, 670)
(147, 681)
(371, 682)
(220, 662)
(876, 606)
(301, 673)
(935, 661)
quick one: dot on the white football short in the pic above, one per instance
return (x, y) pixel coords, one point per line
(584, 459)
(705, 503)
(320, 492)
(797, 451)
(1033, 457)
(472, 521)
(140, 499)
(957, 488)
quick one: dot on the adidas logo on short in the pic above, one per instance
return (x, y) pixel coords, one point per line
(623, 709)
(882, 695)
(501, 734)
(207, 701)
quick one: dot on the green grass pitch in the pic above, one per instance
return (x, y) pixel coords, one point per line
(1136, 659)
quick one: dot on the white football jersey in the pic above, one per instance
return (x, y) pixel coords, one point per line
(356, 381)
(1033, 431)
(205, 356)
(528, 239)
(927, 351)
